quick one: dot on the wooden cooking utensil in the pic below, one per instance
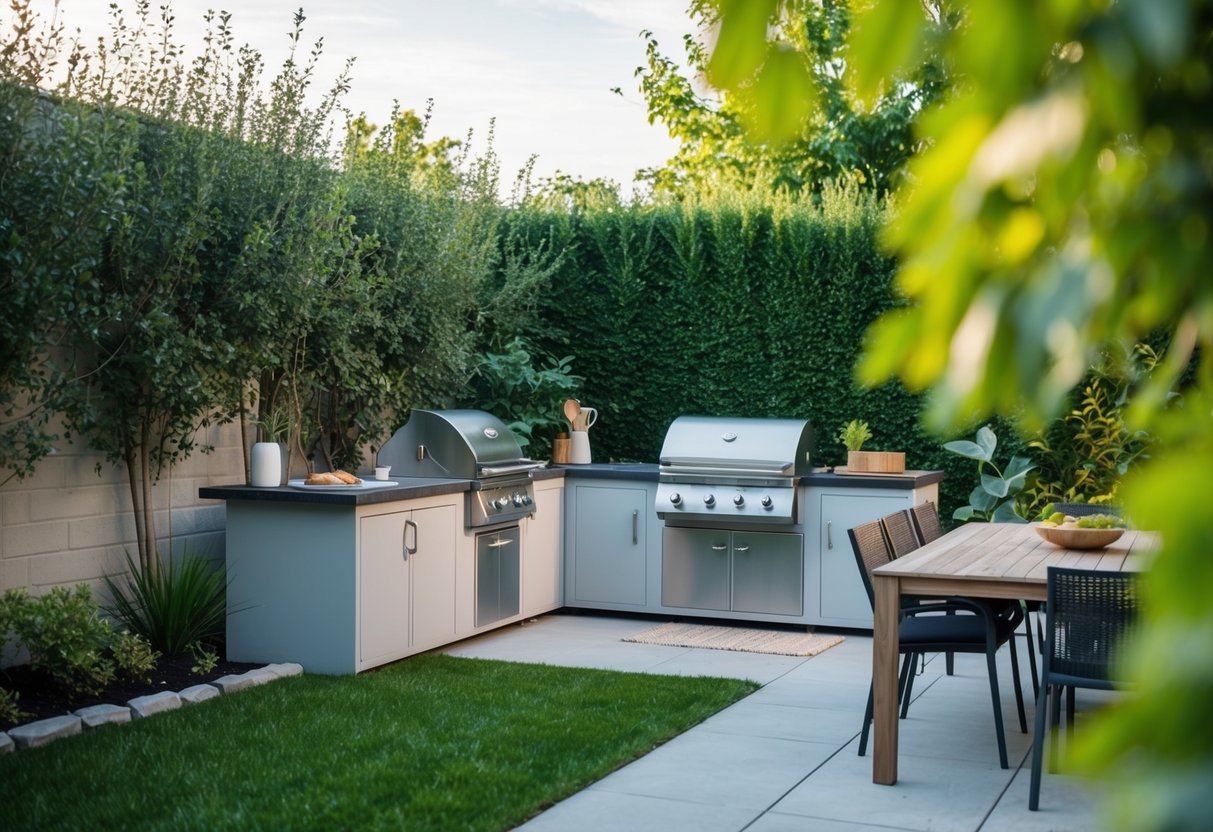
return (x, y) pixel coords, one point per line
(572, 409)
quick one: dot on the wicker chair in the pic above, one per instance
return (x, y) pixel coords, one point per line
(899, 532)
(926, 522)
(977, 630)
(1089, 614)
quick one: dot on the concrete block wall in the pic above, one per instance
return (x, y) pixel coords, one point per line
(69, 524)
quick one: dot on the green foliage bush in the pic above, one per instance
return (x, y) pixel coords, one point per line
(736, 303)
(511, 386)
(65, 637)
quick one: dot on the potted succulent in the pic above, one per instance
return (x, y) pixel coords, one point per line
(852, 435)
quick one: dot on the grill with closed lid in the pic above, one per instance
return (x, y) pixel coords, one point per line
(470, 445)
(733, 469)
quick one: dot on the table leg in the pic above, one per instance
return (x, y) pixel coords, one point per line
(884, 680)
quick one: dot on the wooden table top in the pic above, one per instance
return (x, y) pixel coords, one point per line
(1007, 559)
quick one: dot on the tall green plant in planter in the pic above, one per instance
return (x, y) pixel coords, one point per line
(994, 499)
(173, 608)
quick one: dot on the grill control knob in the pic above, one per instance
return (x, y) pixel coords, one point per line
(518, 500)
(501, 503)
(709, 500)
(739, 501)
(768, 503)
(675, 499)
(526, 499)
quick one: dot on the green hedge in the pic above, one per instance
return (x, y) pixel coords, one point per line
(733, 305)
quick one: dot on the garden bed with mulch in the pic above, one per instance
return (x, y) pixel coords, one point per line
(40, 697)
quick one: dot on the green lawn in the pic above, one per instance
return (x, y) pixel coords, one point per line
(433, 742)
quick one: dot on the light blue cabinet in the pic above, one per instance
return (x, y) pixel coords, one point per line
(607, 544)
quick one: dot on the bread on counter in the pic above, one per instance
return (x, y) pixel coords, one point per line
(332, 478)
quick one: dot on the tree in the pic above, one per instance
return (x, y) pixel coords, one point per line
(1063, 202)
(838, 140)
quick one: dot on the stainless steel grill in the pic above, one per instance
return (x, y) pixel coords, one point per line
(733, 470)
(467, 445)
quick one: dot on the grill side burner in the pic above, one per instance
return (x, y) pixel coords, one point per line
(468, 445)
(733, 470)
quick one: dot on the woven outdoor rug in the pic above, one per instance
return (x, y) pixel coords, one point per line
(746, 639)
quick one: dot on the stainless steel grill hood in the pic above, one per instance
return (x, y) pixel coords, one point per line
(466, 445)
(457, 444)
(727, 469)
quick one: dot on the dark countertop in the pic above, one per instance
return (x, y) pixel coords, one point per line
(411, 488)
(908, 481)
(611, 471)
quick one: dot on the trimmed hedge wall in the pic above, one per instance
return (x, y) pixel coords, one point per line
(730, 306)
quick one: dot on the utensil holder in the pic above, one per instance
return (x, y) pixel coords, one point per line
(579, 448)
(560, 449)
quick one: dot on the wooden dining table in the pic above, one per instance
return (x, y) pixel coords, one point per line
(980, 560)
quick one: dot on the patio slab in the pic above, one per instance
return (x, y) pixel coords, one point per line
(785, 758)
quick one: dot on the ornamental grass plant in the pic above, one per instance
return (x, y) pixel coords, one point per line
(434, 742)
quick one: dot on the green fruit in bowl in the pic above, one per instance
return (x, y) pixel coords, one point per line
(1099, 521)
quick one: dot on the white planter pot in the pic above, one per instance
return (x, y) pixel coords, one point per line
(266, 468)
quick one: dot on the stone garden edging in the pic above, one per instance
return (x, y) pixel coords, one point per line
(34, 734)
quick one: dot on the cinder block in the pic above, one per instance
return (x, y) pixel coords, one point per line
(34, 538)
(87, 532)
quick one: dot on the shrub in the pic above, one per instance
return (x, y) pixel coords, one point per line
(182, 602)
(65, 637)
(134, 658)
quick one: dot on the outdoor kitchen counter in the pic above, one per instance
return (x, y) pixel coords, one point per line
(642, 471)
(908, 481)
(409, 488)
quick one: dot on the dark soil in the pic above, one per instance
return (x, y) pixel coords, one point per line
(40, 698)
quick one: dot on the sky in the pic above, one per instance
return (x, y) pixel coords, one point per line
(543, 68)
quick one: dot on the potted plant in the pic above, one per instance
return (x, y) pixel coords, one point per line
(267, 461)
(853, 434)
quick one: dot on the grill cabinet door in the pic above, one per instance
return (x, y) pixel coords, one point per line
(695, 568)
(768, 573)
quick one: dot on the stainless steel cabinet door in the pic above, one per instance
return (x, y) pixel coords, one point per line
(695, 568)
(610, 552)
(497, 575)
(768, 573)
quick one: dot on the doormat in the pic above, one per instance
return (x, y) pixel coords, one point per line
(746, 639)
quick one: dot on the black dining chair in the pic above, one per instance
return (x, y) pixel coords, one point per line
(928, 528)
(1088, 616)
(977, 628)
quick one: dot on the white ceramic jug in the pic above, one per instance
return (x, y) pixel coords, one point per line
(579, 447)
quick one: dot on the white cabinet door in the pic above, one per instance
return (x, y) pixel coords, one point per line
(542, 554)
(383, 588)
(433, 576)
(842, 592)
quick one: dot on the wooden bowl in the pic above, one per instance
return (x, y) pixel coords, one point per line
(1079, 538)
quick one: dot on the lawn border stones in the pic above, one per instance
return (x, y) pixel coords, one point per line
(34, 734)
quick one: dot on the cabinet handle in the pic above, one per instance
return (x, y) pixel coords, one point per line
(410, 550)
(741, 548)
(829, 537)
(719, 547)
(635, 527)
(497, 544)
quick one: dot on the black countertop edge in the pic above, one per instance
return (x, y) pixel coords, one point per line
(645, 471)
(832, 480)
(408, 489)
(413, 488)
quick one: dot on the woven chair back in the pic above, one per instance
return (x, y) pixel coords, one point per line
(1089, 614)
(899, 530)
(926, 522)
(871, 550)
